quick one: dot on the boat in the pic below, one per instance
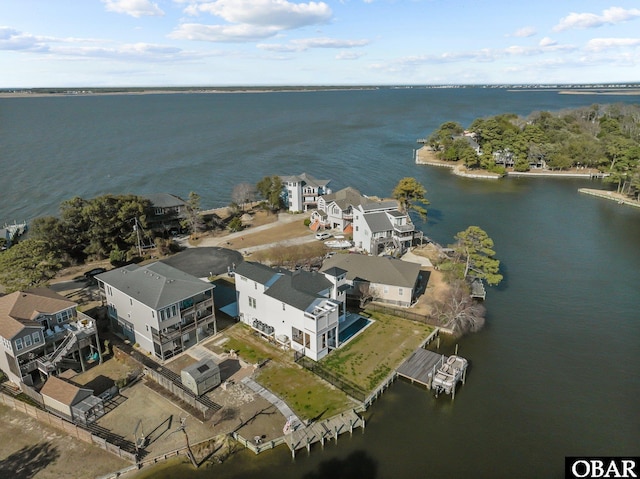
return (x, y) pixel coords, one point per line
(338, 244)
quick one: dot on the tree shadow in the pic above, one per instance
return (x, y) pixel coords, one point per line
(28, 461)
(357, 465)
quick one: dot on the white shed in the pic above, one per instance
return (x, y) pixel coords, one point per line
(201, 376)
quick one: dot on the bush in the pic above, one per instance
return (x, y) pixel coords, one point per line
(307, 221)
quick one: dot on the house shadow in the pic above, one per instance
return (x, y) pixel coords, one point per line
(28, 461)
(228, 368)
(99, 384)
(358, 464)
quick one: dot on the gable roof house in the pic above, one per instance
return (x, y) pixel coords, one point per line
(335, 210)
(162, 309)
(383, 279)
(301, 192)
(379, 227)
(42, 332)
(300, 309)
(166, 213)
(70, 402)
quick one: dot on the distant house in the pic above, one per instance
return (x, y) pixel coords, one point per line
(379, 227)
(335, 210)
(162, 309)
(166, 213)
(70, 402)
(298, 309)
(42, 332)
(387, 280)
(301, 192)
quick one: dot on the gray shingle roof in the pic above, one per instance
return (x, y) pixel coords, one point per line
(345, 197)
(375, 269)
(165, 200)
(378, 222)
(156, 285)
(299, 289)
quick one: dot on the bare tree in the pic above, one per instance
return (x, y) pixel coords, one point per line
(458, 311)
(244, 193)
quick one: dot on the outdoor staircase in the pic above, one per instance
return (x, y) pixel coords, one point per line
(49, 364)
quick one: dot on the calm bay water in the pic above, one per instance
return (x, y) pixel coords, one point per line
(554, 373)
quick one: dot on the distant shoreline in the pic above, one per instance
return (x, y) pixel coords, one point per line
(35, 93)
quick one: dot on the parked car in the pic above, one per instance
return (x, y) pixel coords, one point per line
(323, 235)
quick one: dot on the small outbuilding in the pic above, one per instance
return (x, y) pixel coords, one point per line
(201, 376)
(75, 404)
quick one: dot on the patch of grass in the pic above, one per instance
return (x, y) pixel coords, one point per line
(371, 356)
(304, 392)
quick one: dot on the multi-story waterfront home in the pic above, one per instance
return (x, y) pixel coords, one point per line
(162, 309)
(301, 192)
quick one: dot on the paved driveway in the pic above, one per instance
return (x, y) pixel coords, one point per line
(204, 262)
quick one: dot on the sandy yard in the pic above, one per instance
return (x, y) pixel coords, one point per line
(30, 449)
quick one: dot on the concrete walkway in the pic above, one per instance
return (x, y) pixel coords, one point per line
(273, 399)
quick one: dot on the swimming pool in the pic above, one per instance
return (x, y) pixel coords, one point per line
(352, 329)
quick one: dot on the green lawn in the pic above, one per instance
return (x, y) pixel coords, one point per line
(365, 361)
(371, 356)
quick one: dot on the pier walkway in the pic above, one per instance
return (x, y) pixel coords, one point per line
(419, 366)
(322, 431)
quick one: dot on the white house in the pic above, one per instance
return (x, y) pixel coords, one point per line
(159, 307)
(383, 279)
(301, 192)
(335, 210)
(42, 332)
(379, 227)
(298, 309)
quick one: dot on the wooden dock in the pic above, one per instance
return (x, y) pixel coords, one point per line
(419, 366)
(323, 431)
(435, 371)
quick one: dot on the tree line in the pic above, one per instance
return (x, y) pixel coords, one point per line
(603, 137)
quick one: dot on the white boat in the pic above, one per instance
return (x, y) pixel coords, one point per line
(337, 243)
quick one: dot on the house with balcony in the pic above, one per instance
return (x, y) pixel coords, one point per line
(380, 228)
(299, 310)
(162, 309)
(335, 210)
(376, 278)
(166, 213)
(301, 192)
(42, 333)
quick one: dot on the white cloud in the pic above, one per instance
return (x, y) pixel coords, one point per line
(599, 44)
(249, 20)
(307, 43)
(610, 16)
(12, 39)
(349, 55)
(525, 32)
(272, 13)
(135, 8)
(222, 33)
(547, 42)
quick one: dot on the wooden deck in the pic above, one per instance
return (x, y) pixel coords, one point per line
(419, 365)
(323, 431)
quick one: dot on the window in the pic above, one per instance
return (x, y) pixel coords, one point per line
(27, 341)
(252, 302)
(400, 291)
(386, 289)
(36, 337)
(283, 307)
(159, 211)
(63, 316)
(324, 340)
(161, 314)
(19, 345)
(131, 301)
(174, 311)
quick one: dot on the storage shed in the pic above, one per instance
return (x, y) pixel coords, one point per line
(75, 404)
(201, 376)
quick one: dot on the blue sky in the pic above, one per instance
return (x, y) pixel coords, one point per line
(100, 43)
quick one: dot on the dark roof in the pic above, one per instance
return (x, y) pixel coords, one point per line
(375, 269)
(378, 222)
(335, 271)
(345, 197)
(165, 200)
(299, 289)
